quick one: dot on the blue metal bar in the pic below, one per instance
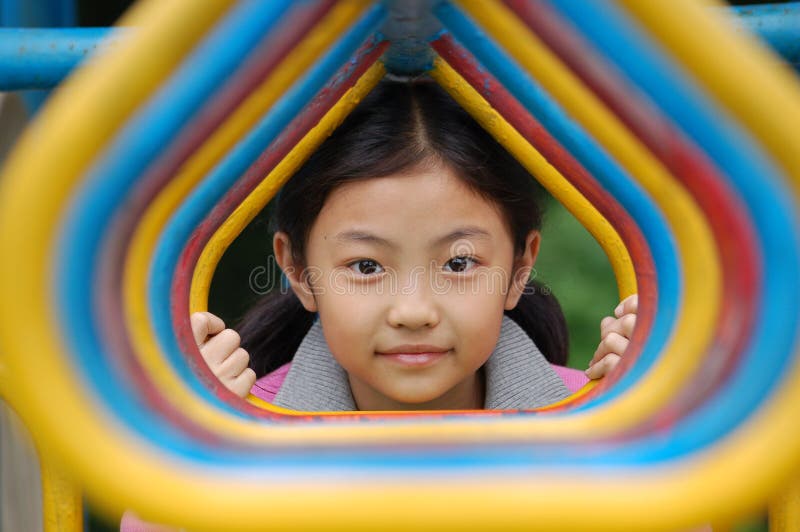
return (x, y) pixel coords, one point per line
(37, 14)
(605, 170)
(115, 174)
(223, 176)
(774, 339)
(777, 24)
(41, 58)
(134, 147)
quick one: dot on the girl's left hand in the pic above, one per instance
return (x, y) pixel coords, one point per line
(615, 335)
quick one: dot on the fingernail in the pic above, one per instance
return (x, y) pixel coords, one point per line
(618, 310)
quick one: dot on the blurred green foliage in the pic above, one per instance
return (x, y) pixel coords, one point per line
(231, 293)
(576, 269)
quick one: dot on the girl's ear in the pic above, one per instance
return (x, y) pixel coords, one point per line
(521, 273)
(282, 248)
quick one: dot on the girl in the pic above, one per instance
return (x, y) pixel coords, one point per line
(408, 240)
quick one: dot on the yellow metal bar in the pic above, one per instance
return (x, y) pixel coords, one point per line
(701, 269)
(33, 194)
(263, 193)
(62, 504)
(146, 236)
(784, 509)
(764, 96)
(756, 81)
(244, 214)
(544, 172)
(165, 488)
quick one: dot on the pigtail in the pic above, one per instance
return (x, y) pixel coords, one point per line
(540, 316)
(272, 330)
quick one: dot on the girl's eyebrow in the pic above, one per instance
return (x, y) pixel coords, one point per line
(364, 236)
(469, 231)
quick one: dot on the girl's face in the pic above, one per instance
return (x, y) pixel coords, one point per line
(410, 275)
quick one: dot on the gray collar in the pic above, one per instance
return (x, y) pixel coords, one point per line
(517, 375)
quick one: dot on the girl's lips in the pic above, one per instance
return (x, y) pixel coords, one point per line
(414, 358)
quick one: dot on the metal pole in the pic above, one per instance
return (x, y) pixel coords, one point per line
(777, 24)
(41, 58)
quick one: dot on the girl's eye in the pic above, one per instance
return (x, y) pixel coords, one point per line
(460, 264)
(366, 267)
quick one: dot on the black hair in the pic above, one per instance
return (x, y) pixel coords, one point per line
(397, 127)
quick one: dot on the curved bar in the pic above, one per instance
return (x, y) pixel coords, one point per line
(50, 54)
(193, 83)
(247, 22)
(168, 224)
(772, 359)
(527, 490)
(532, 160)
(768, 203)
(281, 163)
(243, 86)
(107, 115)
(774, 84)
(605, 170)
(559, 187)
(241, 203)
(727, 216)
(702, 274)
(644, 282)
(29, 184)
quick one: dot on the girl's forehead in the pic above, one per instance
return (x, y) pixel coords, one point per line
(397, 193)
(425, 202)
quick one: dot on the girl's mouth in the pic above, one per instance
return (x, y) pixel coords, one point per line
(414, 356)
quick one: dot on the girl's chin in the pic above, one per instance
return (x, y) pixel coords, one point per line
(425, 399)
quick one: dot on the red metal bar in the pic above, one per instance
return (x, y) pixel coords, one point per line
(537, 135)
(725, 213)
(254, 70)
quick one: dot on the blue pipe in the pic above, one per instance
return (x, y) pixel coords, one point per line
(42, 58)
(777, 24)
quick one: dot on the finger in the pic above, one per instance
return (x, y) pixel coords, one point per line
(242, 384)
(205, 324)
(612, 343)
(604, 323)
(623, 326)
(629, 305)
(219, 347)
(604, 367)
(235, 364)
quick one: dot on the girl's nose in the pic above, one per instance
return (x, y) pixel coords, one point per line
(413, 312)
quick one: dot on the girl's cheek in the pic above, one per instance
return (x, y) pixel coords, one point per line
(351, 307)
(476, 306)
(484, 285)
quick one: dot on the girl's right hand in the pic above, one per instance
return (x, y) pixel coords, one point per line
(221, 351)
